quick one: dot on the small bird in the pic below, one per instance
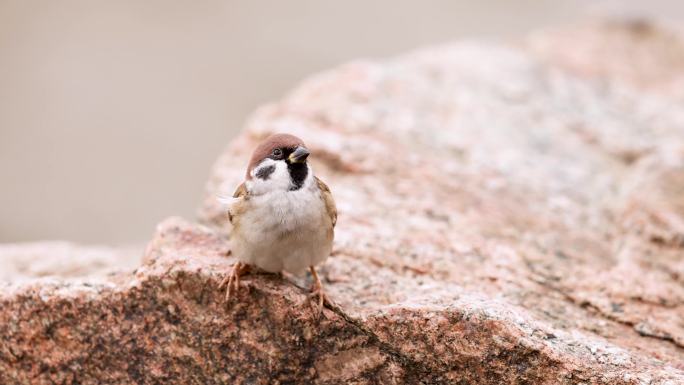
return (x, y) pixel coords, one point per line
(283, 216)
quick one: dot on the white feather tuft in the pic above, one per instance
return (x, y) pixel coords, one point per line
(226, 200)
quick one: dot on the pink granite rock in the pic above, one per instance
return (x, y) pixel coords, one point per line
(507, 214)
(64, 261)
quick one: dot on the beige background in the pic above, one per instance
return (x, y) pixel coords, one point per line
(111, 112)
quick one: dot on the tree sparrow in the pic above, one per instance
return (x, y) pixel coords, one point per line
(283, 216)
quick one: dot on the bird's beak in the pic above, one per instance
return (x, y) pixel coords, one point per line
(299, 155)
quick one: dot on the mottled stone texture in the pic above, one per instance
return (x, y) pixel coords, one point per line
(508, 213)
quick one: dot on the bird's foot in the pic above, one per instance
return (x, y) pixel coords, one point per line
(318, 298)
(317, 293)
(232, 280)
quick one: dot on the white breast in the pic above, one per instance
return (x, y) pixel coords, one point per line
(284, 230)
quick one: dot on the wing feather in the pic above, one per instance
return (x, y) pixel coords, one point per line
(328, 199)
(240, 191)
(238, 202)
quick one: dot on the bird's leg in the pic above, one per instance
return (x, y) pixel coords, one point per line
(232, 280)
(317, 290)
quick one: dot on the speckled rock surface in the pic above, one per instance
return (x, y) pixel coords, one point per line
(60, 260)
(508, 213)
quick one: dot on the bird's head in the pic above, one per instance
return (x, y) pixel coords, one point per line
(278, 163)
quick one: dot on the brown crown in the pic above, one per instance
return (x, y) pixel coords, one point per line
(266, 147)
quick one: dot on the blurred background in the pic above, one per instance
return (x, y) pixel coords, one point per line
(112, 112)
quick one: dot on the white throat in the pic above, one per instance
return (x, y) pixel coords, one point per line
(277, 180)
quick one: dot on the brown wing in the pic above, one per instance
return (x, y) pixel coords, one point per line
(235, 208)
(329, 201)
(240, 191)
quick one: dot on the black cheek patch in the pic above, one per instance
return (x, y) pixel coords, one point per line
(265, 172)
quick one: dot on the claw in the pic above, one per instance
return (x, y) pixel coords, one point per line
(224, 281)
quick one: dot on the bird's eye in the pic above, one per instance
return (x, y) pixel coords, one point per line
(277, 152)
